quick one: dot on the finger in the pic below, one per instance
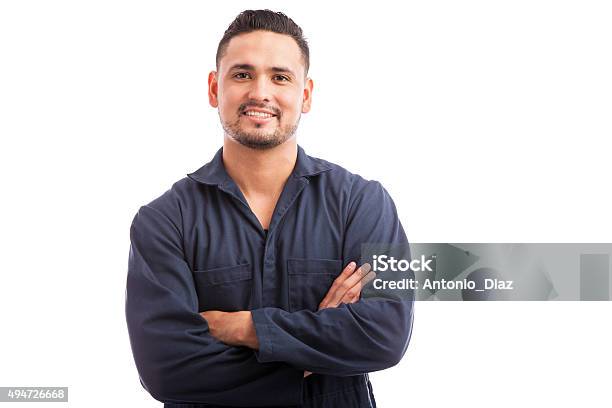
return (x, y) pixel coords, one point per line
(352, 295)
(330, 299)
(358, 275)
(368, 278)
(349, 284)
(346, 272)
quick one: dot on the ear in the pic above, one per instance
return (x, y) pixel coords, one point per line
(307, 101)
(213, 89)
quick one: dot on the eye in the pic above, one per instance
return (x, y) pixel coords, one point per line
(242, 75)
(281, 78)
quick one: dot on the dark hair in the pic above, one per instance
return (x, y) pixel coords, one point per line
(267, 20)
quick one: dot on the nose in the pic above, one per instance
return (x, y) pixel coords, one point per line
(260, 89)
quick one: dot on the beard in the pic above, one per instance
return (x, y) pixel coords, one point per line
(258, 139)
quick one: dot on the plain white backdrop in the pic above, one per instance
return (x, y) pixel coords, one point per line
(487, 121)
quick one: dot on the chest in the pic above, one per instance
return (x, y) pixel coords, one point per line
(237, 266)
(262, 207)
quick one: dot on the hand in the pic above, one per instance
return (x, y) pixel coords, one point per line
(347, 286)
(232, 328)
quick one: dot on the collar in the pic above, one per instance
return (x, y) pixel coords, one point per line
(213, 172)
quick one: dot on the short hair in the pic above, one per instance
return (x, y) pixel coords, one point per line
(266, 20)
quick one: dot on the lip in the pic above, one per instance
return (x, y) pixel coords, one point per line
(256, 119)
(258, 110)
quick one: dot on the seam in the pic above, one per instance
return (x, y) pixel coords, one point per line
(166, 217)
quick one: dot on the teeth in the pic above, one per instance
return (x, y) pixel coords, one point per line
(258, 114)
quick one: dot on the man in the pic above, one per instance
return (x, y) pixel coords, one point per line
(236, 292)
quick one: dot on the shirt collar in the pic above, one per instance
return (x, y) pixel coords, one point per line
(214, 173)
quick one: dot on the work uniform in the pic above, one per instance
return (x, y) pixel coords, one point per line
(200, 247)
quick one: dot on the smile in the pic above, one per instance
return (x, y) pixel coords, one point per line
(258, 114)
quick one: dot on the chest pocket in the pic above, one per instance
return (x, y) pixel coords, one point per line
(309, 280)
(227, 289)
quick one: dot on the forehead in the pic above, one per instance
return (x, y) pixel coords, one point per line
(263, 49)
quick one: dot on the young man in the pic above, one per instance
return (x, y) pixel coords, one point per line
(236, 292)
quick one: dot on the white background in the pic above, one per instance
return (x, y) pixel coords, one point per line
(487, 121)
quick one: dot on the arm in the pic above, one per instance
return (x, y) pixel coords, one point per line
(237, 328)
(369, 335)
(177, 358)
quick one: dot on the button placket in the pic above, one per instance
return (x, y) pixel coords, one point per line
(271, 282)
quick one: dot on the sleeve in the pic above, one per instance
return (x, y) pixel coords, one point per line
(352, 339)
(176, 357)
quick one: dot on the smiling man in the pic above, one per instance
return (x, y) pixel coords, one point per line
(243, 285)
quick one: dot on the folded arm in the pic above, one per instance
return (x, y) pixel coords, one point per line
(369, 335)
(353, 338)
(177, 358)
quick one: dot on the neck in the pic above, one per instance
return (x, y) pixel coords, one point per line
(259, 172)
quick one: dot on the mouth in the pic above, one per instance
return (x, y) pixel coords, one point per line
(258, 115)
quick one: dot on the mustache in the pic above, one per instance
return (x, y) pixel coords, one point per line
(252, 104)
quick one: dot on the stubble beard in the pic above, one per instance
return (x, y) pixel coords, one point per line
(260, 140)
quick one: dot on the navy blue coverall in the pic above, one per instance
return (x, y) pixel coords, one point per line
(200, 247)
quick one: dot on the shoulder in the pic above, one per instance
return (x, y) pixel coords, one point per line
(171, 205)
(353, 185)
(174, 197)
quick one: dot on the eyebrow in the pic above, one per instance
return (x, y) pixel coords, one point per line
(249, 67)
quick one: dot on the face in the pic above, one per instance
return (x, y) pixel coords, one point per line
(260, 89)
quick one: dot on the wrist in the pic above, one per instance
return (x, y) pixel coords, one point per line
(247, 335)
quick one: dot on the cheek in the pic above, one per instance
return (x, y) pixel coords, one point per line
(228, 106)
(230, 99)
(291, 104)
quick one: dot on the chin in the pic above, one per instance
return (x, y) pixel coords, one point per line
(259, 144)
(257, 141)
